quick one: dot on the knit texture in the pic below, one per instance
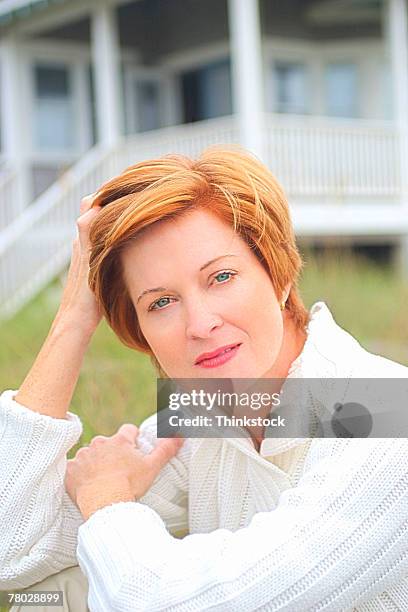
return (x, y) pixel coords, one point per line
(303, 525)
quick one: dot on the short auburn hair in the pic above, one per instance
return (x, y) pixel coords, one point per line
(230, 183)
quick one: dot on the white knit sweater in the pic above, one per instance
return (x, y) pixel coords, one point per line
(303, 525)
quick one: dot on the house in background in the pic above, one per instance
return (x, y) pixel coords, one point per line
(318, 89)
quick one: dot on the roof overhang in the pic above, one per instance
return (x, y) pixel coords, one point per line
(33, 16)
(14, 10)
(331, 12)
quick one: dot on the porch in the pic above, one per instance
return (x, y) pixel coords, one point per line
(89, 88)
(79, 74)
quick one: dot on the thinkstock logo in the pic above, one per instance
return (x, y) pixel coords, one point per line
(282, 408)
(351, 420)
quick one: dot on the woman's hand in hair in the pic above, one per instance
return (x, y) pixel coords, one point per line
(50, 383)
(112, 470)
(78, 303)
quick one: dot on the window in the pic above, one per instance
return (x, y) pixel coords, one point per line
(54, 118)
(207, 92)
(341, 90)
(148, 105)
(290, 88)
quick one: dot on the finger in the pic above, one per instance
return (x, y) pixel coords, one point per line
(127, 432)
(86, 203)
(84, 220)
(165, 450)
(83, 451)
(83, 224)
(97, 440)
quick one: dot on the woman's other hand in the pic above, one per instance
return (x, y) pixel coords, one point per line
(78, 303)
(112, 469)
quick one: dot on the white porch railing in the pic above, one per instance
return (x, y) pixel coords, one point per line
(37, 245)
(310, 156)
(9, 208)
(322, 156)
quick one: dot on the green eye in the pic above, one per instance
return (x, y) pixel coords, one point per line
(159, 303)
(222, 277)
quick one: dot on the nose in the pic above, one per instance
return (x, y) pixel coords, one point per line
(201, 319)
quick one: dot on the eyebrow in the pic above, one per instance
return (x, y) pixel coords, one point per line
(157, 289)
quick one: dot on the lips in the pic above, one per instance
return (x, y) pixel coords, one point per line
(219, 351)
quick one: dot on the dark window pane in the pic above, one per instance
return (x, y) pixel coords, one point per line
(51, 82)
(291, 87)
(207, 92)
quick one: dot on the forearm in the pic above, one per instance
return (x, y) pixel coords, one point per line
(50, 383)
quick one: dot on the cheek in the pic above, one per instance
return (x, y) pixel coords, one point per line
(262, 306)
(164, 340)
(268, 328)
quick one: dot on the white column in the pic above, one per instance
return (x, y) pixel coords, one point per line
(82, 106)
(247, 77)
(396, 21)
(107, 74)
(397, 30)
(15, 132)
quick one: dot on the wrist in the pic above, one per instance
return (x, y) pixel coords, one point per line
(71, 321)
(101, 493)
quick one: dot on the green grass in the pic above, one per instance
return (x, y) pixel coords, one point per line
(367, 300)
(117, 384)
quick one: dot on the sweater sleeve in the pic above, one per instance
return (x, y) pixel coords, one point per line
(39, 522)
(336, 540)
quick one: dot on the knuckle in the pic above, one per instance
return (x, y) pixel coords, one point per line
(81, 223)
(128, 429)
(98, 440)
(120, 437)
(86, 201)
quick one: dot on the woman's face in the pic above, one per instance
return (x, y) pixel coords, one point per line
(198, 288)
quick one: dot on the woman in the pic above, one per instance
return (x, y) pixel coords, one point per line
(189, 259)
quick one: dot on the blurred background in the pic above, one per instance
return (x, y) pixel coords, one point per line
(317, 89)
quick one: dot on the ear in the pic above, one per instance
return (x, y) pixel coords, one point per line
(285, 292)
